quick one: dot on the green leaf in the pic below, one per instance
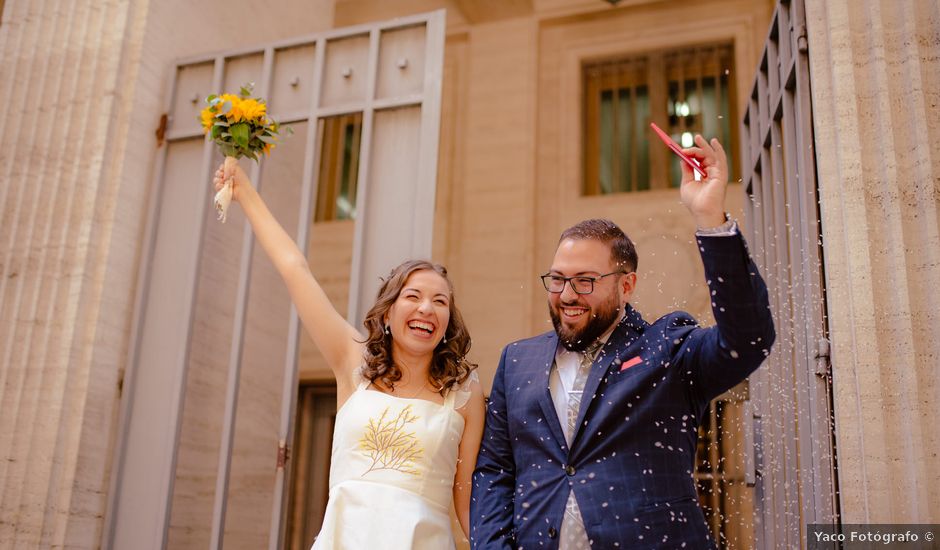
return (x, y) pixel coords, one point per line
(267, 139)
(210, 98)
(245, 90)
(240, 134)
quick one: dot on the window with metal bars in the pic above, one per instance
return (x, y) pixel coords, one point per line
(684, 91)
(339, 167)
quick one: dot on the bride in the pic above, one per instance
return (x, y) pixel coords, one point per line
(410, 408)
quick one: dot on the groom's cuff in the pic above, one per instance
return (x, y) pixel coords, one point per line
(727, 229)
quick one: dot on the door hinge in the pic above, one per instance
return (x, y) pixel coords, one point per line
(283, 454)
(802, 43)
(161, 130)
(822, 357)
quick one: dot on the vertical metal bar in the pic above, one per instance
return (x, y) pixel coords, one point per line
(815, 314)
(680, 95)
(180, 389)
(309, 189)
(362, 216)
(635, 124)
(772, 480)
(356, 121)
(658, 87)
(717, 58)
(785, 345)
(803, 329)
(592, 128)
(787, 400)
(700, 91)
(770, 483)
(614, 86)
(235, 357)
(435, 32)
(129, 383)
(329, 134)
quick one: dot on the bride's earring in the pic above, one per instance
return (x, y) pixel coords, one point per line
(387, 331)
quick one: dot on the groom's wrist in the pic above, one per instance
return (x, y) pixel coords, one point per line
(710, 221)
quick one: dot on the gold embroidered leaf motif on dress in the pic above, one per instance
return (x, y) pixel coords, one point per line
(388, 444)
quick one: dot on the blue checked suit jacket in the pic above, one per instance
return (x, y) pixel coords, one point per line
(631, 460)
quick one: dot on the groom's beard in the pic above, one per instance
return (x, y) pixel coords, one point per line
(601, 318)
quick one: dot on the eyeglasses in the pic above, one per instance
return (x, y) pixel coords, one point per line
(580, 284)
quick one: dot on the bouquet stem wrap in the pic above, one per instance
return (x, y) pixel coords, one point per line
(224, 197)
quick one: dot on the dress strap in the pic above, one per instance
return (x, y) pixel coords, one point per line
(363, 381)
(449, 398)
(461, 393)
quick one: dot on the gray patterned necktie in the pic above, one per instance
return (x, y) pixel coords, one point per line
(573, 535)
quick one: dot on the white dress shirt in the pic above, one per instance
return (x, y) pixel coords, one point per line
(562, 377)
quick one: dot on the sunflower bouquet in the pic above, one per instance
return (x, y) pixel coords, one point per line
(240, 126)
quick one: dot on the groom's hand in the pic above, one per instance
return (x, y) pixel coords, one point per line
(705, 199)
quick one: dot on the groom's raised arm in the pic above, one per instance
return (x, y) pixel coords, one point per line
(491, 502)
(721, 356)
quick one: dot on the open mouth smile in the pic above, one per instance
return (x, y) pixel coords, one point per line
(573, 312)
(421, 329)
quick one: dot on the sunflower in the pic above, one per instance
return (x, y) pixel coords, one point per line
(253, 110)
(207, 118)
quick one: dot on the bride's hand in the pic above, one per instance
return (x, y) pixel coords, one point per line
(230, 170)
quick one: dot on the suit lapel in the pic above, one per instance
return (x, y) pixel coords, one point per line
(544, 363)
(620, 339)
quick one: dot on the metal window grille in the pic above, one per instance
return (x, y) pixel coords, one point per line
(211, 311)
(340, 138)
(685, 91)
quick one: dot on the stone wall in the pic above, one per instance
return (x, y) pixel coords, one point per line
(875, 69)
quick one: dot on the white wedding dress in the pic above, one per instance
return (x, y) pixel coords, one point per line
(392, 472)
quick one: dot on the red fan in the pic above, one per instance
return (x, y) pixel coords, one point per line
(678, 150)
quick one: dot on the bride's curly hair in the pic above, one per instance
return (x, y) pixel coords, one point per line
(449, 365)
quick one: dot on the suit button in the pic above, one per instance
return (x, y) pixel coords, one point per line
(552, 533)
(569, 470)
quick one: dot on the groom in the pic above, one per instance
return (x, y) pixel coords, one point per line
(591, 429)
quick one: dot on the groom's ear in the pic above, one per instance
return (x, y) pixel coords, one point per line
(627, 285)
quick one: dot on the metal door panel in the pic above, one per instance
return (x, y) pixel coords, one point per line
(194, 83)
(346, 74)
(401, 62)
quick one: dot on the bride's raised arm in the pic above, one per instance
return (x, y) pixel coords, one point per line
(336, 339)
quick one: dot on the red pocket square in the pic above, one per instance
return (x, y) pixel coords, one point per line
(630, 362)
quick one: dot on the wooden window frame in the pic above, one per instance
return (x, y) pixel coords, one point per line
(654, 71)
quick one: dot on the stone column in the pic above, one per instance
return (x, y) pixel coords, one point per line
(875, 69)
(67, 257)
(82, 89)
